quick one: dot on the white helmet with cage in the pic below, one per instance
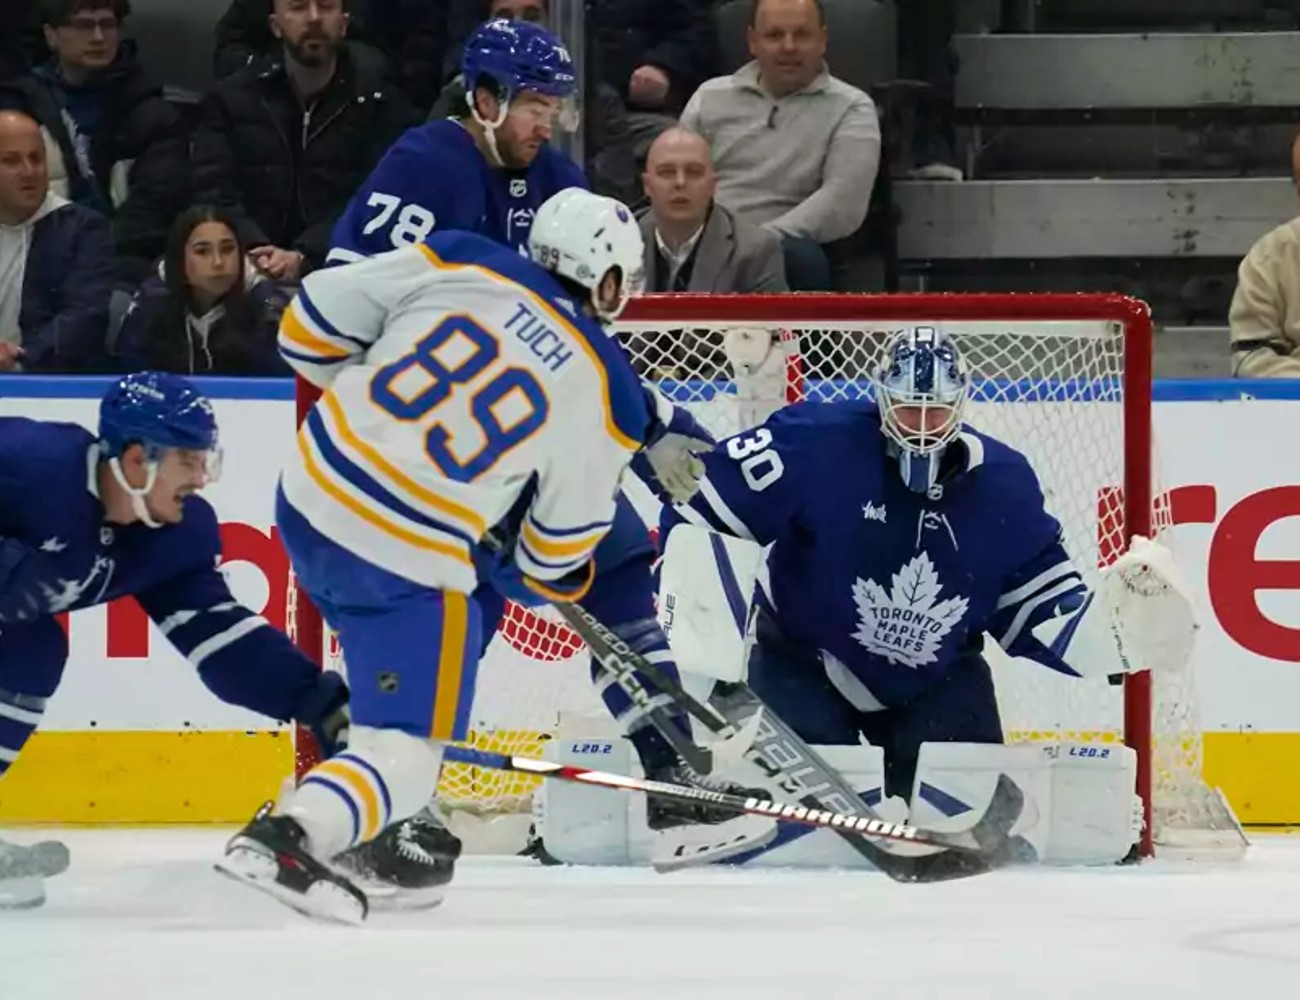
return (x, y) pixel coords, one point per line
(582, 237)
(921, 388)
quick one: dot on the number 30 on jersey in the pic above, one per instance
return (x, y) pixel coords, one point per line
(506, 408)
(759, 462)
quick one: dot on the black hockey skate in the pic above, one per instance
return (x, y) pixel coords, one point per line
(270, 854)
(694, 833)
(664, 814)
(408, 866)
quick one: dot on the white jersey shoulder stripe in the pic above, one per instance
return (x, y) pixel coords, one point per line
(597, 363)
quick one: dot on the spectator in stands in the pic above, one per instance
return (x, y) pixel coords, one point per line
(56, 263)
(691, 243)
(1264, 318)
(411, 35)
(796, 149)
(207, 310)
(113, 143)
(284, 145)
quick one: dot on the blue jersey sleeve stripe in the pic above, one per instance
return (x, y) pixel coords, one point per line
(1044, 601)
(1051, 575)
(582, 529)
(324, 325)
(551, 566)
(310, 359)
(627, 412)
(350, 472)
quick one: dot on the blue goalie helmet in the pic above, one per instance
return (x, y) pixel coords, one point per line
(515, 56)
(159, 411)
(921, 389)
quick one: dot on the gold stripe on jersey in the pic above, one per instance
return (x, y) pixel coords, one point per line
(471, 523)
(324, 477)
(294, 330)
(611, 428)
(561, 550)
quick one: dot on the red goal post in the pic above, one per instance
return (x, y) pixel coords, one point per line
(1065, 378)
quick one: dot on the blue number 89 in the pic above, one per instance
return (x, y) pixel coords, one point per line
(478, 349)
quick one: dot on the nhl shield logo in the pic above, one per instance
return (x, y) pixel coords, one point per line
(908, 624)
(518, 187)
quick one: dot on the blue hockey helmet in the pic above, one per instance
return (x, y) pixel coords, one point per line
(515, 56)
(921, 389)
(157, 410)
(160, 412)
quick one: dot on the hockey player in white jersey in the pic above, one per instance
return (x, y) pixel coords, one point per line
(466, 389)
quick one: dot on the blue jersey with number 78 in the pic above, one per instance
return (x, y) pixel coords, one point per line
(458, 375)
(434, 178)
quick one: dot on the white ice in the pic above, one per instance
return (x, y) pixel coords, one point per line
(142, 915)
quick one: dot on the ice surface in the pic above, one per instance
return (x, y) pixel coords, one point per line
(141, 915)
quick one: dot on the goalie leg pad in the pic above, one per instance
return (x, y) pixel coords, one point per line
(1080, 801)
(705, 585)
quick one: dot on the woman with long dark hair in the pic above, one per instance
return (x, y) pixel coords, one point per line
(207, 310)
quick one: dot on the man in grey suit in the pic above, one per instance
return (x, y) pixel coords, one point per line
(693, 244)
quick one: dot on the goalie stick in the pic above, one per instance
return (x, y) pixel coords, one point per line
(1006, 805)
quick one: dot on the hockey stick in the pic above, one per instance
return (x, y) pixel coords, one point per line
(623, 662)
(985, 846)
(982, 848)
(850, 825)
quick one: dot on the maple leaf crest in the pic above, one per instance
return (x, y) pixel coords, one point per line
(908, 624)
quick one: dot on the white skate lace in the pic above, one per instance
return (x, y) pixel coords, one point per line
(409, 847)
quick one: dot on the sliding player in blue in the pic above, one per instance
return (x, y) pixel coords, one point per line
(86, 518)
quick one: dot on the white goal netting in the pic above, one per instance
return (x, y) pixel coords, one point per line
(1064, 379)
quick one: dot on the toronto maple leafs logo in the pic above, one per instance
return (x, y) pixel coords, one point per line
(907, 625)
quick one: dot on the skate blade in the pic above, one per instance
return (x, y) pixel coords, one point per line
(390, 899)
(322, 901)
(687, 847)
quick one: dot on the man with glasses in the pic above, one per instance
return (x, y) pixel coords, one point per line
(113, 142)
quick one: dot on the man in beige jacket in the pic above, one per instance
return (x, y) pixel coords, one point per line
(1265, 313)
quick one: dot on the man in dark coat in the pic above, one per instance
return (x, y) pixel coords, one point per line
(283, 145)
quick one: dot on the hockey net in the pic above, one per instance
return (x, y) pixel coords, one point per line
(1066, 379)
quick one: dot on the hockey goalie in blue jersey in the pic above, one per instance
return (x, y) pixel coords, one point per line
(487, 171)
(87, 518)
(466, 390)
(884, 543)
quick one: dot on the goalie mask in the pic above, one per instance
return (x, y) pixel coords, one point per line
(921, 390)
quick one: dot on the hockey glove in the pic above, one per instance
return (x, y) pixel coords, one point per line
(325, 712)
(668, 464)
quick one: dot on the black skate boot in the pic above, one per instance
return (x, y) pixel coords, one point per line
(270, 854)
(664, 814)
(694, 833)
(408, 866)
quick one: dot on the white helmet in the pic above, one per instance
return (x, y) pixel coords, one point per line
(581, 236)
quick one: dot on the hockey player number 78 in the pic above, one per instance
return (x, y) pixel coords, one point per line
(455, 353)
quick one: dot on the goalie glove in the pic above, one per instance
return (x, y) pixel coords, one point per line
(1150, 608)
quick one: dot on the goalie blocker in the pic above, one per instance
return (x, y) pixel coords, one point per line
(1082, 808)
